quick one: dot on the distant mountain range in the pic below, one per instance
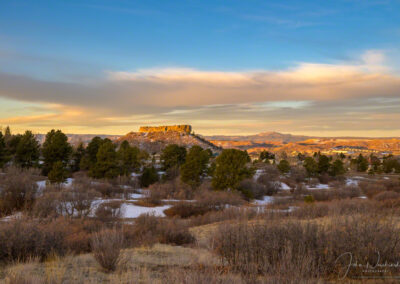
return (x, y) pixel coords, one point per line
(154, 141)
(261, 137)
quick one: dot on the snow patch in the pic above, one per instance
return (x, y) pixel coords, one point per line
(284, 186)
(350, 182)
(41, 185)
(134, 211)
(318, 186)
(266, 200)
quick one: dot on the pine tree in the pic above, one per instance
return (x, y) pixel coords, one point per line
(55, 149)
(77, 156)
(128, 158)
(311, 166)
(106, 164)
(58, 173)
(284, 166)
(27, 151)
(173, 156)
(194, 166)
(230, 169)
(3, 153)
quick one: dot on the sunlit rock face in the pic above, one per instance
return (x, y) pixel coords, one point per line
(176, 128)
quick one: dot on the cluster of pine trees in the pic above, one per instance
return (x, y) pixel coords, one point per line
(57, 158)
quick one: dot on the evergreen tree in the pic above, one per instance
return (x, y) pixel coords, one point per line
(128, 158)
(284, 166)
(375, 162)
(195, 166)
(230, 169)
(55, 149)
(337, 168)
(27, 151)
(173, 156)
(323, 164)
(77, 156)
(148, 177)
(7, 133)
(3, 154)
(58, 173)
(93, 148)
(311, 166)
(12, 144)
(362, 163)
(106, 162)
(265, 156)
(89, 159)
(390, 165)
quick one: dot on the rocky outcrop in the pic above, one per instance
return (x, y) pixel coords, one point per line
(176, 128)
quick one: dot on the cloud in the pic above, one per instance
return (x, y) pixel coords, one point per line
(306, 96)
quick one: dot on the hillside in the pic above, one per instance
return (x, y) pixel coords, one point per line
(156, 141)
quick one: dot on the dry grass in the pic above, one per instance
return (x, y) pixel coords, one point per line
(141, 265)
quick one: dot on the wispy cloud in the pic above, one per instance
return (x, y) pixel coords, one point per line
(305, 97)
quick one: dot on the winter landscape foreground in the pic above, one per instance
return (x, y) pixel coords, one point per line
(110, 211)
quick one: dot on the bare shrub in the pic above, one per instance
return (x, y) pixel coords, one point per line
(298, 174)
(172, 189)
(46, 205)
(270, 182)
(252, 189)
(392, 185)
(306, 250)
(337, 193)
(109, 212)
(76, 201)
(370, 188)
(174, 232)
(334, 208)
(187, 209)
(106, 189)
(155, 195)
(385, 195)
(218, 199)
(144, 230)
(232, 213)
(325, 178)
(17, 190)
(106, 246)
(149, 230)
(23, 239)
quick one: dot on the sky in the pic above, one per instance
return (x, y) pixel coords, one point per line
(321, 68)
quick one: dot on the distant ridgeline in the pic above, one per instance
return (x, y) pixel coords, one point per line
(176, 128)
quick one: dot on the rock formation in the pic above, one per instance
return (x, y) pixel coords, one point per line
(176, 128)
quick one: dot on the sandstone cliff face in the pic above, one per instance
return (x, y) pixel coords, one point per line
(176, 128)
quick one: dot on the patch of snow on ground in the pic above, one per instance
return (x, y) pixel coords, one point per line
(284, 186)
(350, 182)
(257, 174)
(41, 185)
(318, 186)
(15, 216)
(266, 200)
(136, 196)
(134, 211)
(68, 182)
